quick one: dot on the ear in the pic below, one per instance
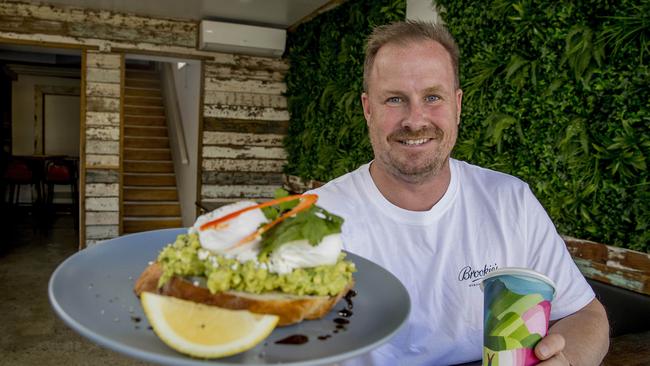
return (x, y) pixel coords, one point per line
(365, 102)
(459, 104)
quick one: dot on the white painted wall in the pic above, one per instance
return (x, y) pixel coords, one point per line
(422, 10)
(22, 109)
(188, 83)
(61, 123)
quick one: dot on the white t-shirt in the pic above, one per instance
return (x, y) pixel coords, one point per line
(485, 220)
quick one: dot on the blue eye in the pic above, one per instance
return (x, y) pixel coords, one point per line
(432, 98)
(393, 100)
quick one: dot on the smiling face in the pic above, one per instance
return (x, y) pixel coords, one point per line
(412, 108)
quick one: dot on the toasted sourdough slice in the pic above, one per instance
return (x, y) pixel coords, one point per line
(290, 308)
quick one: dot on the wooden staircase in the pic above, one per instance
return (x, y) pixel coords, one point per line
(149, 195)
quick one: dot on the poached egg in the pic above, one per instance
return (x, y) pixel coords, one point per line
(220, 239)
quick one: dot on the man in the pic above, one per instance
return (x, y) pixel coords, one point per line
(440, 224)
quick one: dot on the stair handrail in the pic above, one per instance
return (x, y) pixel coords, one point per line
(174, 111)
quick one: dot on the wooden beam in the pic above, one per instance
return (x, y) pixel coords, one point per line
(7, 38)
(620, 267)
(120, 223)
(82, 153)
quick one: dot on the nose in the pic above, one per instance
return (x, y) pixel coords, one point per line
(415, 118)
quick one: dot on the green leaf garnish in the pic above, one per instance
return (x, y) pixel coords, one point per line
(312, 224)
(273, 212)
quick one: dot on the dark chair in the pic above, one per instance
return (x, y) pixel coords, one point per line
(20, 172)
(60, 171)
(627, 310)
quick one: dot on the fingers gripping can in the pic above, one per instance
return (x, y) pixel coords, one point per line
(516, 311)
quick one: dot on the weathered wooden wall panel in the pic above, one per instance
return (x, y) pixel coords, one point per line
(247, 64)
(102, 112)
(102, 176)
(245, 99)
(245, 86)
(243, 165)
(237, 191)
(244, 110)
(110, 63)
(101, 89)
(98, 24)
(102, 189)
(227, 72)
(102, 141)
(97, 233)
(245, 121)
(242, 152)
(249, 126)
(620, 267)
(103, 147)
(103, 133)
(102, 204)
(237, 138)
(102, 218)
(102, 118)
(100, 75)
(241, 178)
(102, 104)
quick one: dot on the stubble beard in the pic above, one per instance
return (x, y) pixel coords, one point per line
(414, 168)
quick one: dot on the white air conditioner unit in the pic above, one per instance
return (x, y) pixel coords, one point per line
(240, 38)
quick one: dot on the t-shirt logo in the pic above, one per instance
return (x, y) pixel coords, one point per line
(474, 276)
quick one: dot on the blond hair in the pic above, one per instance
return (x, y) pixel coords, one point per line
(404, 32)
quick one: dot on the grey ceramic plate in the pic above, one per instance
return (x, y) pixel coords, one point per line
(92, 292)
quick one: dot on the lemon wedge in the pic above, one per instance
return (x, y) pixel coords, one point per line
(205, 331)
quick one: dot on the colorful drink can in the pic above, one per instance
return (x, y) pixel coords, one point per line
(516, 311)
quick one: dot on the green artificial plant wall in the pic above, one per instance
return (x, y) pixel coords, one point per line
(556, 93)
(327, 133)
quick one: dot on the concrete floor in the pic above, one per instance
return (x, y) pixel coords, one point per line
(30, 332)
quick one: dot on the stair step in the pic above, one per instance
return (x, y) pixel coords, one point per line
(141, 74)
(155, 131)
(150, 194)
(147, 154)
(145, 84)
(131, 179)
(144, 120)
(133, 209)
(139, 166)
(135, 226)
(142, 101)
(144, 111)
(140, 92)
(143, 142)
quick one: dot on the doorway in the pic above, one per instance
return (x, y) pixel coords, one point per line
(40, 128)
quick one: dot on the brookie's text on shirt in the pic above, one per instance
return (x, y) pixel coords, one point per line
(467, 273)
